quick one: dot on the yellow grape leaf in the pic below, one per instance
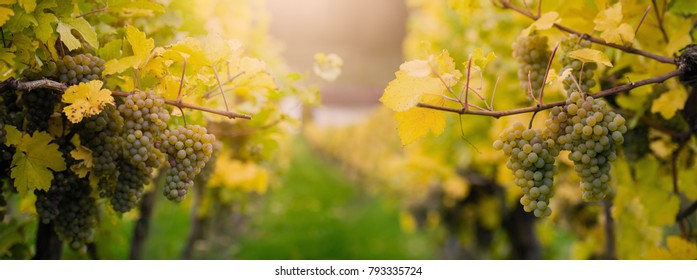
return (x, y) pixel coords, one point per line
(189, 49)
(327, 66)
(405, 91)
(609, 22)
(119, 65)
(417, 122)
(33, 160)
(416, 68)
(677, 249)
(609, 18)
(5, 14)
(28, 5)
(444, 66)
(479, 61)
(141, 45)
(86, 99)
(84, 156)
(546, 21)
(591, 55)
(669, 102)
(67, 36)
(44, 29)
(84, 28)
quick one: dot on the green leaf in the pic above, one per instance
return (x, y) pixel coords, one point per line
(45, 27)
(28, 5)
(683, 7)
(67, 36)
(85, 29)
(111, 50)
(34, 161)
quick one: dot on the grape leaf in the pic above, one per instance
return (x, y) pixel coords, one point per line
(591, 55)
(479, 61)
(609, 22)
(44, 29)
(141, 46)
(84, 28)
(5, 14)
(683, 7)
(67, 37)
(86, 99)
(28, 5)
(670, 102)
(416, 68)
(544, 22)
(405, 91)
(83, 155)
(137, 7)
(33, 160)
(418, 122)
(677, 249)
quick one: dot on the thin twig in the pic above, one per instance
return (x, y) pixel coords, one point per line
(100, 10)
(179, 93)
(643, 17)
(611, 91)
(659, 19)
(467, 84)
(13, 84)
(493, 93)
(220, 86)
(508, 5)
(549, 65)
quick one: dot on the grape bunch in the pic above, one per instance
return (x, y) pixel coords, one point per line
(531, 158)
(145, 120)
(75, 69)
(585, 79)
(77, 215)
(189, 148)
(38, 107)
(591, 133)
(129, 187)
(102, 135)
(533, 55)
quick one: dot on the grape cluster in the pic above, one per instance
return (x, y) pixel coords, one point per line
(129, 187)
(47, 202)
(102, 135)
(189, 148)
(585, 80)
(77, 215)
(533, 55)
(531, 158)
(75, 69)
(591, 133)
(145, 120)
(38, 106)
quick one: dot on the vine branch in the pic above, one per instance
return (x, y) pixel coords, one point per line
(15, 84)
(506, 4)
(535, 108)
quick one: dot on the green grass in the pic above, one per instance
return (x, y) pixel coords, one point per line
(318, 213)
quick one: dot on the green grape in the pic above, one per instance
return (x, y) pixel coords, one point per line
(533, 165)
(189, 149)
(76, 69)
(145, 120)
(38, 106)
(129, 187)
(592, 141)
(102, 135)
(532, 53)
